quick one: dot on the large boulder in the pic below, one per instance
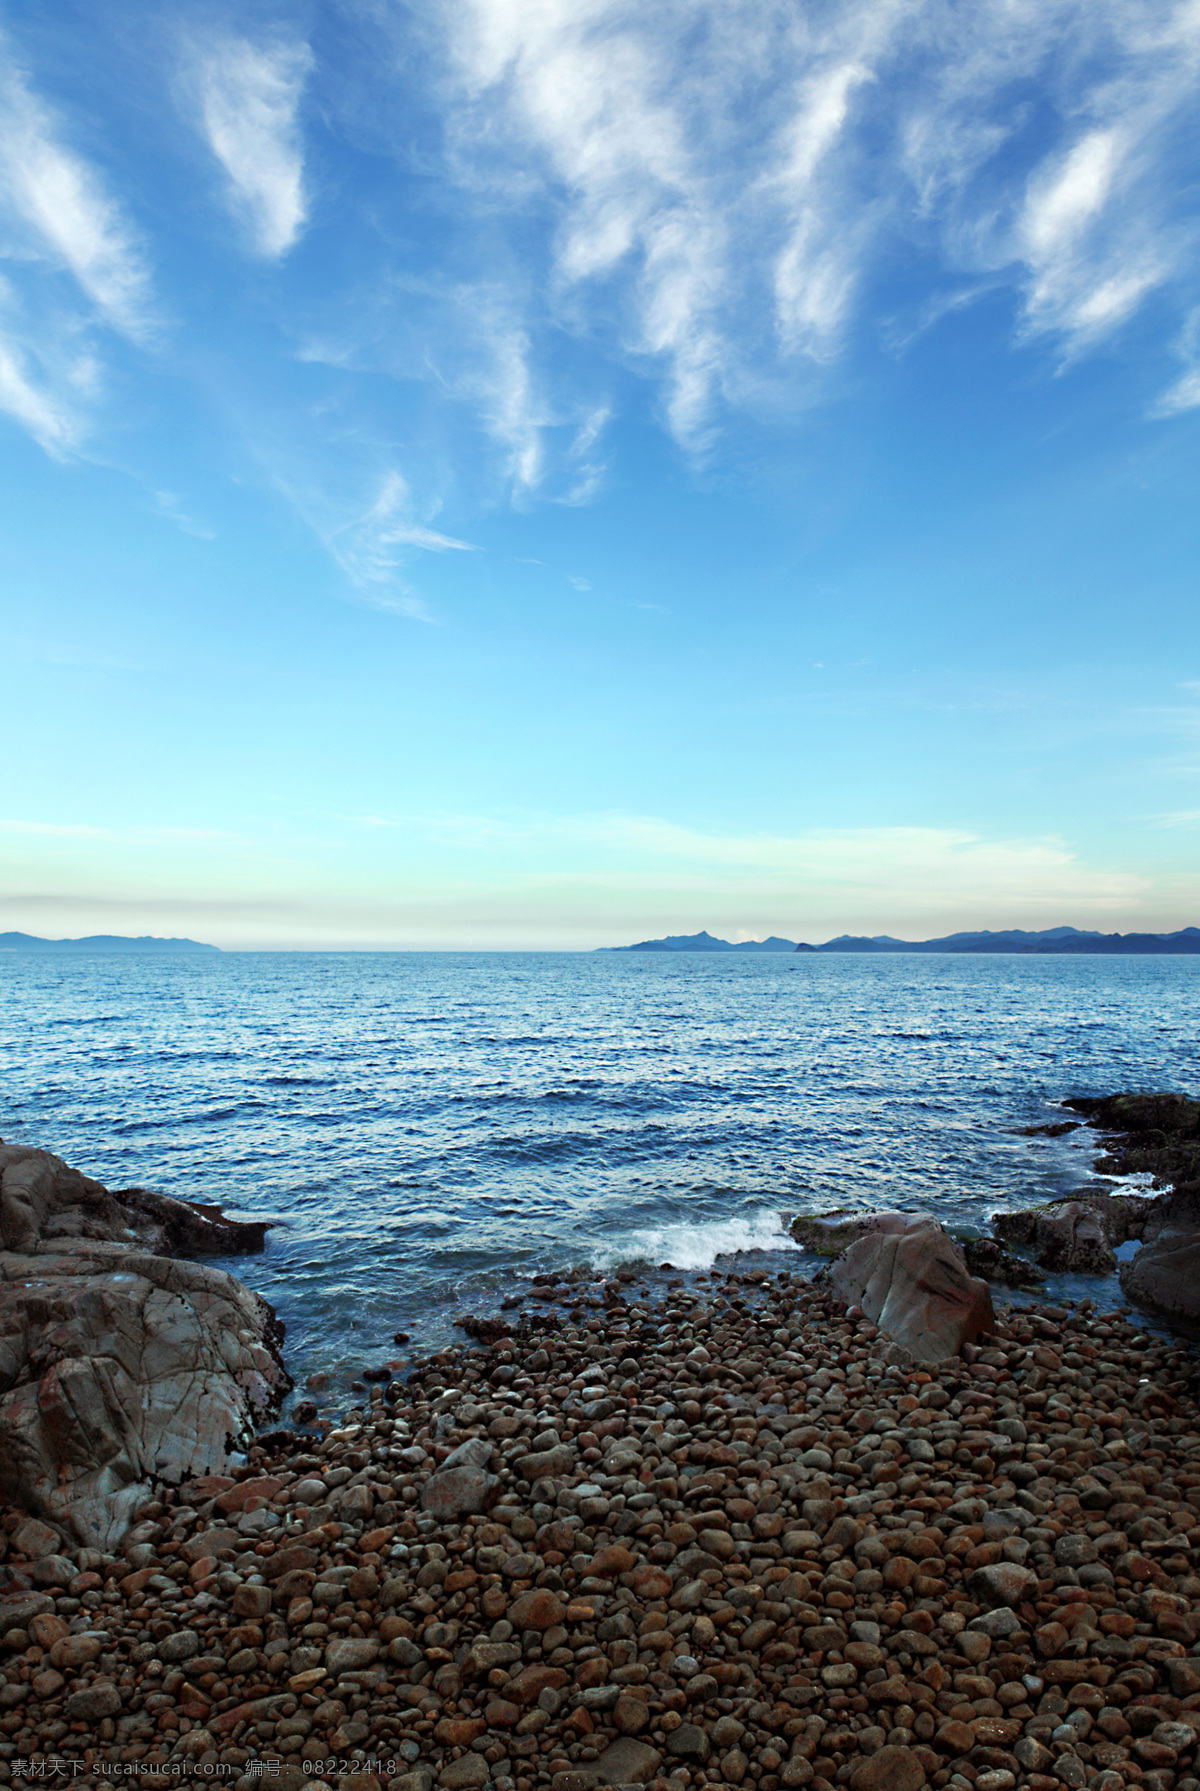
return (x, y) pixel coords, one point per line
(118, 1366)
(909, 1277)
(1165, 1276)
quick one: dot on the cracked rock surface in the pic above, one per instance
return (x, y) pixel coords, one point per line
(119, 1365)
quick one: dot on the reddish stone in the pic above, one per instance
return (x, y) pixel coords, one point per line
(630, 1715)
(252, 1712)
(494, 1602)
(531, 1681)
(995, 1731)
(137, 1582)
(235, 1497)
(592, 1672)
(650, 1582)
(501, 1714)
(297, 1584)
(289, 1560)
(459, 1731)
(376, 1539)
(608, 1563)
(558, 1538)
(207, 1487)
(538, 1609)
(1154, 1753)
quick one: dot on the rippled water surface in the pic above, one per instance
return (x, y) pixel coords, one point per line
(429, 1128)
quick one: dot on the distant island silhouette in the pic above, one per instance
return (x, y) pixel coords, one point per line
(1053, 940)
(99, 942)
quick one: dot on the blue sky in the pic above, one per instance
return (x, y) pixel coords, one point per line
(551, 472)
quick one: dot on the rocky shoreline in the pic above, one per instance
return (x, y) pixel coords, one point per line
(728, 1535)
(1089, 1232)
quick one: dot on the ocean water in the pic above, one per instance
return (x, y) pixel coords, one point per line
(429, 1130)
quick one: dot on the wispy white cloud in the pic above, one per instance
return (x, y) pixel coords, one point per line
(249, 99)
(168, 506)
(1183, 395)
(78, 267)
(372, 547)
(709, 166)
(52, 424)
(68, 216)
(505, 389)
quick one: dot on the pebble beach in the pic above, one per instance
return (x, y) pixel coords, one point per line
(708, 1535)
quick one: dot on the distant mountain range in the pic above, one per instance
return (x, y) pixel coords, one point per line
(706, 942)
(98, 942)
(1054, 940)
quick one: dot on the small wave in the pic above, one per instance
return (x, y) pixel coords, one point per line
(698, 1246)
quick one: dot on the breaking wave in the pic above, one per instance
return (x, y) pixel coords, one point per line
(698, 1246)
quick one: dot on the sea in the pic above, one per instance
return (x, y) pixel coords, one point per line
(427, 1131)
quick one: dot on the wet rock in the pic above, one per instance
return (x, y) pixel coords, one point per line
(1066, 1236)
(828, 1234)
(909, 1278)
(484, 1330)
(1164, 1276)
(992, 1262)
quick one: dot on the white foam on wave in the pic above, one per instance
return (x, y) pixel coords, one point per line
(698, 1246)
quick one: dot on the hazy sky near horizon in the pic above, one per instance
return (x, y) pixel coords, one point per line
(554, 472)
